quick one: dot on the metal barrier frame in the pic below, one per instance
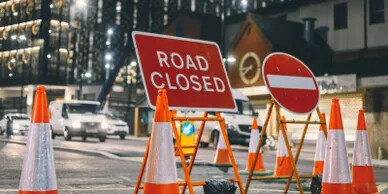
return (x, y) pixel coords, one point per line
(294, 161)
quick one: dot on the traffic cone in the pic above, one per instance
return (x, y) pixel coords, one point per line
(222, 157)
(320, 150)
(259, 169)
(283, 166)
(362, 171)
(336, 172)
(161, 173)
(38, 173)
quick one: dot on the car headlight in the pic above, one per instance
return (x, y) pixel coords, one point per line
(15, 125)
(104, 125)
(76, 124)
(231, 127)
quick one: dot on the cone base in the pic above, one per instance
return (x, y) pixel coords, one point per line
(363, 179)
(283, 166)
(39, 192)
(257, 173)
(222, 157)
(150, 188)
(259, 163)
(334, 188)
(318, 167)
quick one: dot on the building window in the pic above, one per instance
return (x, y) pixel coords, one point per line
(376, 11)
(340, 16)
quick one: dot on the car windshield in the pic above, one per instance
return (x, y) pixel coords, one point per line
(20, 118)
(83, 108)
(244, 107)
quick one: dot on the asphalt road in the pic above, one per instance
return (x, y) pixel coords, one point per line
(86, 173)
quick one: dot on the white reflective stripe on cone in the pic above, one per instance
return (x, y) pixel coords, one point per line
(282, 148)
(161, 168)
(336, 168)
(221, 142)
(361, 153)
(38, 173)
(254, 141)
(320, 147)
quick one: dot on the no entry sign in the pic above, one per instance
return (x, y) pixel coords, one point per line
(291, 83)
(190, 70)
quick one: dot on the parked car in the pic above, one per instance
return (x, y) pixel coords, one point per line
(20, 123)
(116, 126)
(238, 123)
(78, 118)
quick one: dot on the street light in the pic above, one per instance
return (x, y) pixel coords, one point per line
(244, 3)
(110, 31)
(231, 59)
(108, 56)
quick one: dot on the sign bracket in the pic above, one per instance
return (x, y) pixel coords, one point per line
(178, 148)
(294, 161)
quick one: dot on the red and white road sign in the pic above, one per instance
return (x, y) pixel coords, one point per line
(190, 70)
(291, 83)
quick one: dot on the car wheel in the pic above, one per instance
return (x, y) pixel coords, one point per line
(102, 139)
(122, 136)
(204, 145)
(66, 135)
(215, 137)
(84, 138)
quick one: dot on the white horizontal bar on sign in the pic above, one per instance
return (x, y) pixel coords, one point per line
(291, 82)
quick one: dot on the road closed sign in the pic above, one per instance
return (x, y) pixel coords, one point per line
(291, 83)
(190, 70)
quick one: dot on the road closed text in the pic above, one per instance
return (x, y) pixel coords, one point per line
(182, 81)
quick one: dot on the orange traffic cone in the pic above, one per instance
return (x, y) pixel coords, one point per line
(38, 173)
(221, 157)
(283, 166)
(161, 173)
(258, 169)
(320, 150)
(336, 172)
(362, 171)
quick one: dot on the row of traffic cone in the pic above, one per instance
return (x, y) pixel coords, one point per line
(336, 171)
(38, 173)
(331, 159)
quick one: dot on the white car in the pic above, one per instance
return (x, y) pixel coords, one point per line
(116, 126)
(78, 119)
(20, 123)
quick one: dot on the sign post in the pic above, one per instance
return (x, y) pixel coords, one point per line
(195, 78)
(292, 86)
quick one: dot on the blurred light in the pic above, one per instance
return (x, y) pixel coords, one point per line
(107, 43)
(13, 60)
(26, 89)
(108, 56)
(263, 4)
(49, 31)
(15, 13)
(10, 74)
(88, 75)
(13, 37)
(51, 6)
(107, 66)
(22, 37)
(80, 4)
(133, 63)
(110, 31)
(244, 3)
(224, 60)
(49, 56)
(231, 59)
(118, 8)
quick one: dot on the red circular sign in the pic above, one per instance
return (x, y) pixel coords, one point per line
(291, 83)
